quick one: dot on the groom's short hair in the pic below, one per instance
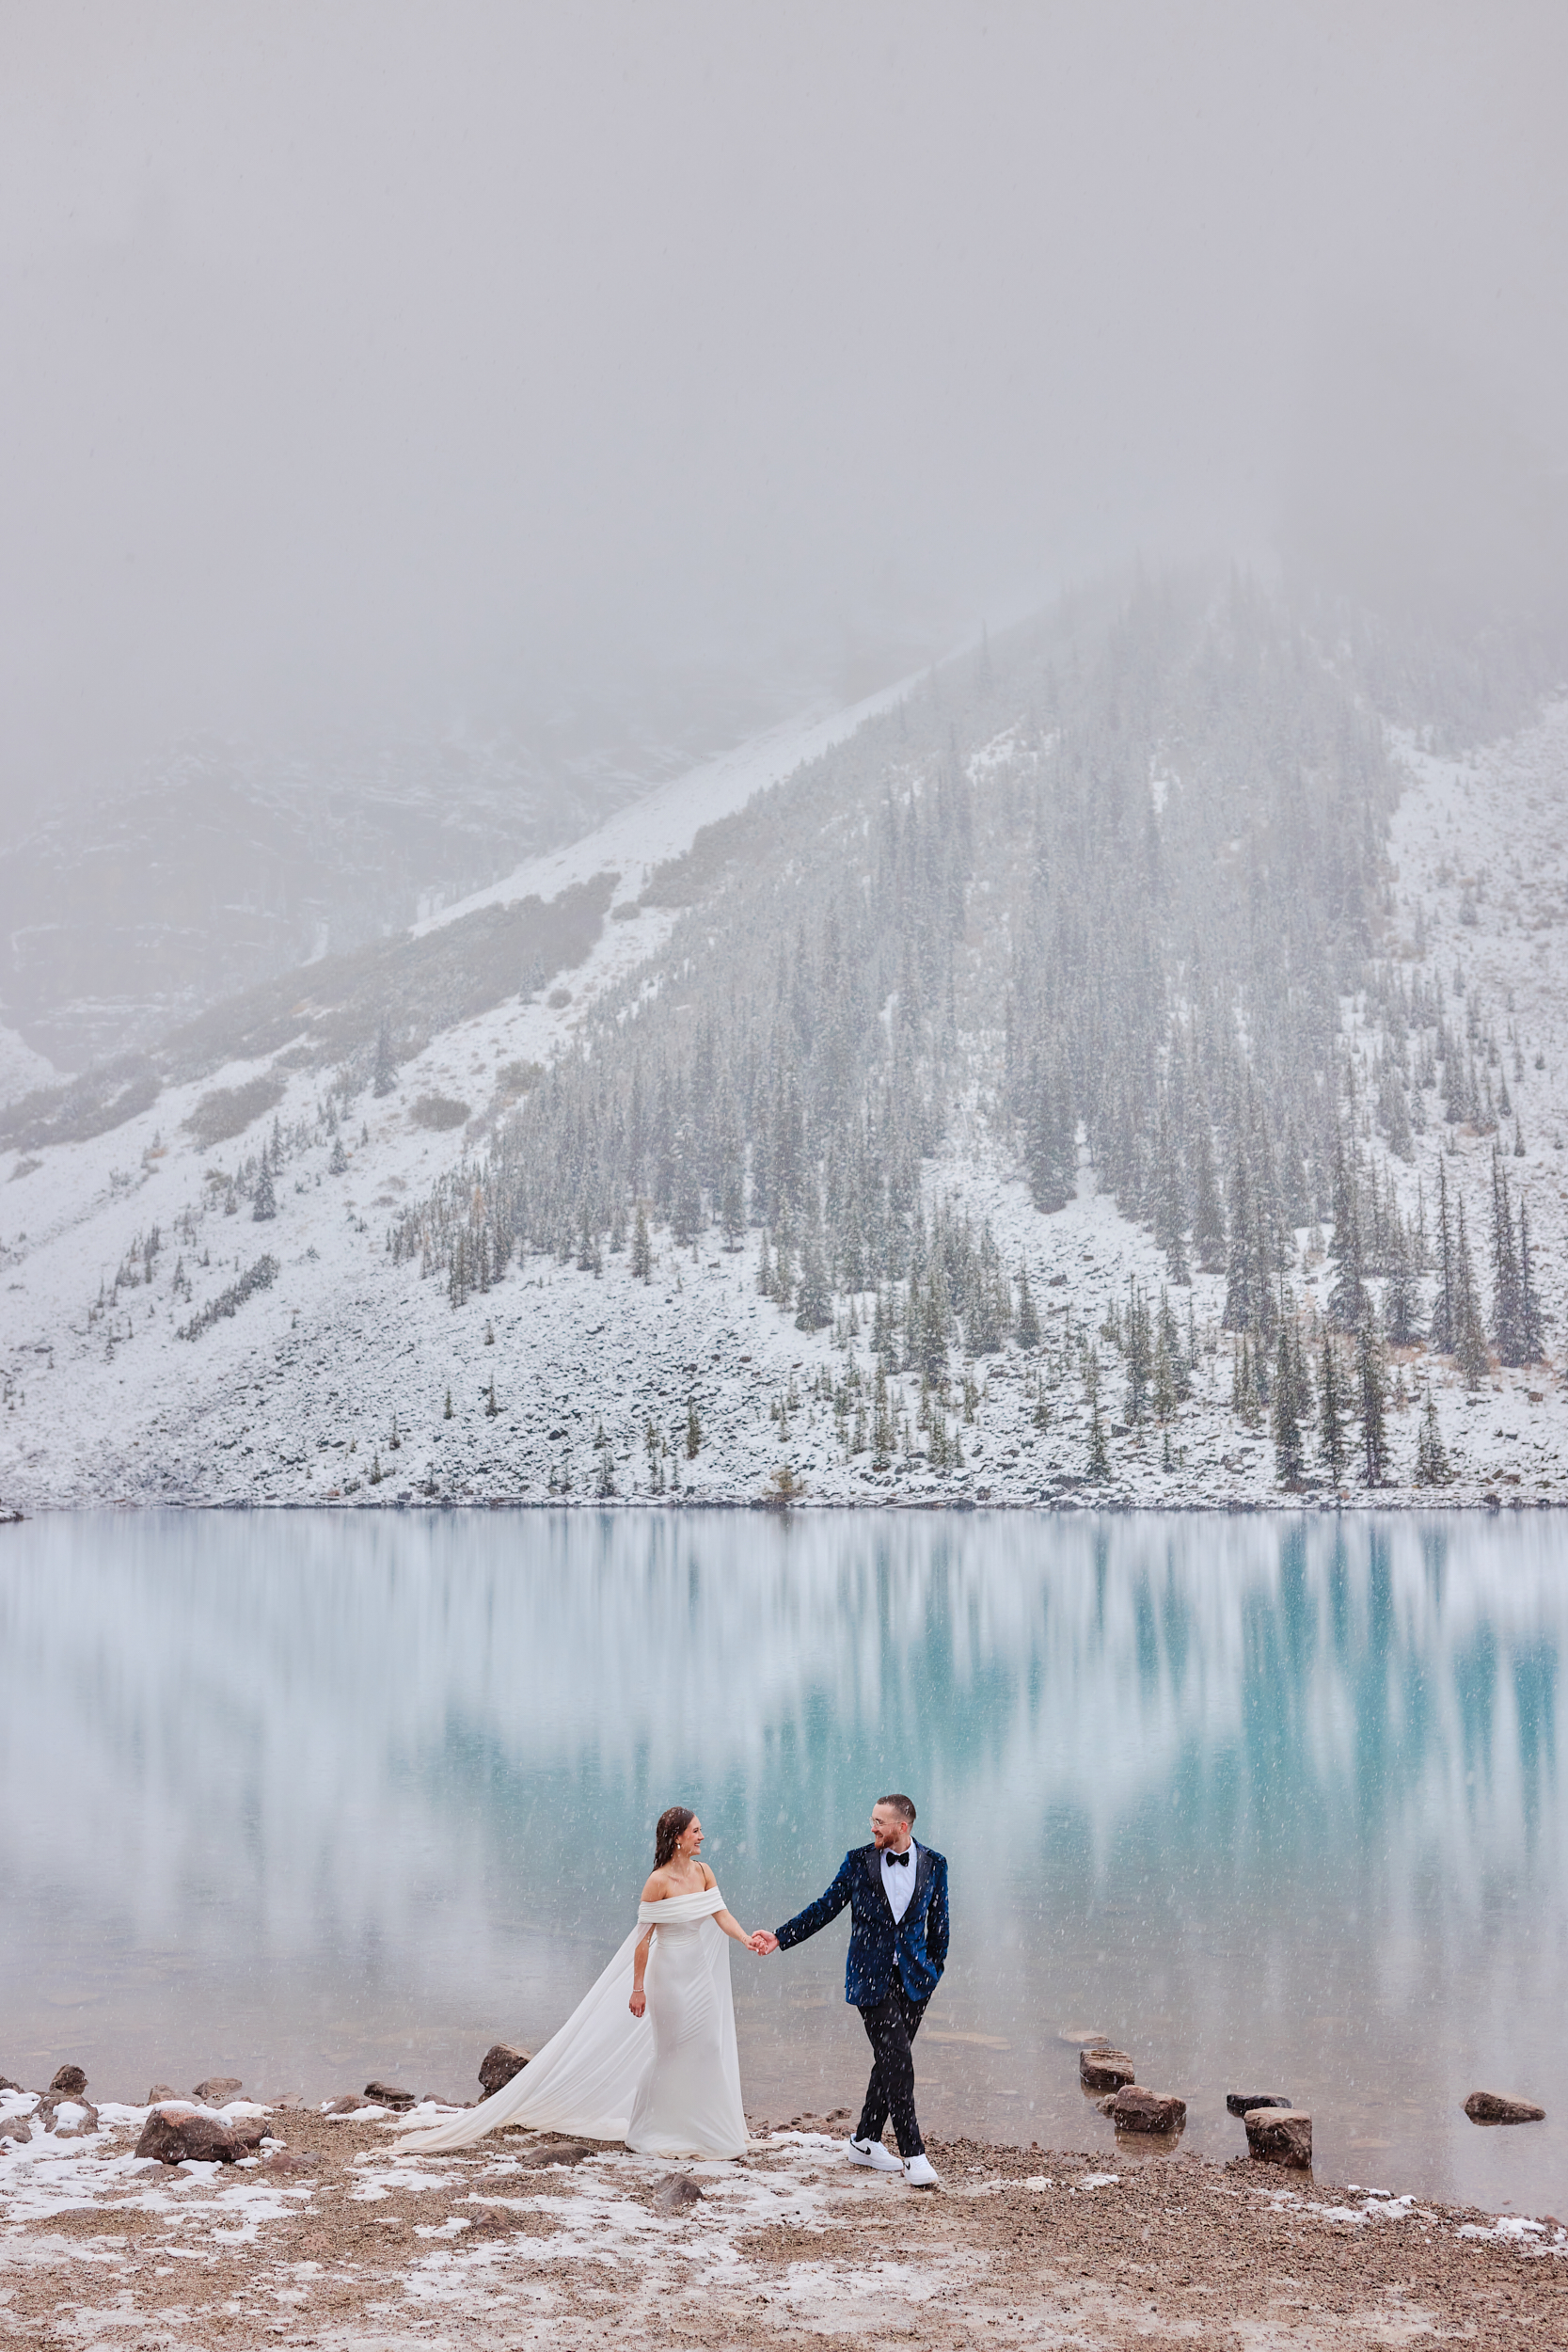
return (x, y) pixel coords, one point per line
(903, 1806)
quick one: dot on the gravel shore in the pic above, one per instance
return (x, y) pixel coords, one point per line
(328, 2239)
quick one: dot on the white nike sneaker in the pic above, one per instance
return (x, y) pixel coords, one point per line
(872, 2154)
(918, 2172)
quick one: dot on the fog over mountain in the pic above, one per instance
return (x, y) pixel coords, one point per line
(376, 372)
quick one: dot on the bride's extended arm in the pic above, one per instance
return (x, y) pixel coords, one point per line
(726, 1919)
(639, 2001)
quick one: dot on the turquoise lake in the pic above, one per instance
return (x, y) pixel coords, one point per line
(1275, 1802)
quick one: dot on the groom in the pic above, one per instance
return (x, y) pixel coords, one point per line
(897, 1897)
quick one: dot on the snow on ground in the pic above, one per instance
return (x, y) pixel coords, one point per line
(333, 1383)
(327, 2237)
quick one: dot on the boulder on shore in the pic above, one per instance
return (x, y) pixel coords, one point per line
(498, 2066)
(676, 2192)
(69, 2083)
(1106, 2069)
(1243, 2101)
(1280, 2136)
(181, 2135)
(1139, 2110)
(218, 2090)
(387, 2095)
(160, 2091)
(68, 2118)
(1490, 2106)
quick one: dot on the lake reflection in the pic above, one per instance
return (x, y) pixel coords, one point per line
(1275, 1802)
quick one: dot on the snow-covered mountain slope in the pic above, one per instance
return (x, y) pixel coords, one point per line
(223, 864)
(161, 1342)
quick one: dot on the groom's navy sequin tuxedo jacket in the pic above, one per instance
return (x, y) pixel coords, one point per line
(914, 1948)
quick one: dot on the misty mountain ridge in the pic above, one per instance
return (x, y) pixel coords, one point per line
(1125, 1064)
(224, 864)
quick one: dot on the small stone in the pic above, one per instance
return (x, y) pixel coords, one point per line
(1490, 2106)
(288, 2160)
(498, 2066)
(545, 2152)
(1243, 2103)
(69, 2083)
(1280, 2136)
(7, 2084)
(387, 2095)
(676, 2192)
(218, 2090)
(1106, 2069)
(350, 2104)
(177, 2134)
(1139, 2110)
(160, 2090)
(16, 2127)
(70, 2118)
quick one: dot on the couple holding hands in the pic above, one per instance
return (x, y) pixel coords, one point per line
(655, 2063)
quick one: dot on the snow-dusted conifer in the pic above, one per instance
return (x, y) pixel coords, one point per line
(1028, 1315)
(1331, 1410)
(1371, 1383)
(1444, 1309)
(265, 1202)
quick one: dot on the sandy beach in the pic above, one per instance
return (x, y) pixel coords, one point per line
(325, 2238)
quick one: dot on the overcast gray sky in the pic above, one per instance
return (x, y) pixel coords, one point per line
(376, 365)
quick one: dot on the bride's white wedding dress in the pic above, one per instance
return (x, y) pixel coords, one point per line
(668, 2083)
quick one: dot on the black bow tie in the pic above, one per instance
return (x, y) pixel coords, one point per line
(888, 1855)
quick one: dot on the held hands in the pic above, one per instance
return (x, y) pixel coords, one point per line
(762, 1943)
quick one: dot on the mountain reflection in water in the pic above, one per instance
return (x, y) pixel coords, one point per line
(1274, 1802)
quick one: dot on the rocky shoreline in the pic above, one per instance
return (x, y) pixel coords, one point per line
(310, 2229)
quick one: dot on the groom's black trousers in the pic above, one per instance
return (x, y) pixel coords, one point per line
(892, 2026)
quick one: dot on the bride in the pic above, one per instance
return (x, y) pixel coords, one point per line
(649, 2056)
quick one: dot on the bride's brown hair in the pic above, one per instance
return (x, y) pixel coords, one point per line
(672, 1825)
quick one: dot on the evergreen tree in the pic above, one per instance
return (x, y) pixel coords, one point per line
(1347, 1297)
(1508, 1319)
(1532, 1321)
(1331, 1411)
(693, 1429)
(1170, 1204)
(1372, 1384)
(337, 1164)
(1051, 1133)
(814, 1298)
(882, 1421)
(1028, 1315)
(1469, 1344)
(1444, 1312)
(1140, 1353)
(1290, 1458)
(731, 1206)
(1431, 1455)
(1402, 1305)
(1099, 1460)
(265, 1203)
(1208, 1214)
(642, 1247)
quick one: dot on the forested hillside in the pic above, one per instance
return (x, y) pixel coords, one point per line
(1134, 1044)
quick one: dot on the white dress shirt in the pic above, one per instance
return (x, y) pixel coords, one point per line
(898, 1878)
